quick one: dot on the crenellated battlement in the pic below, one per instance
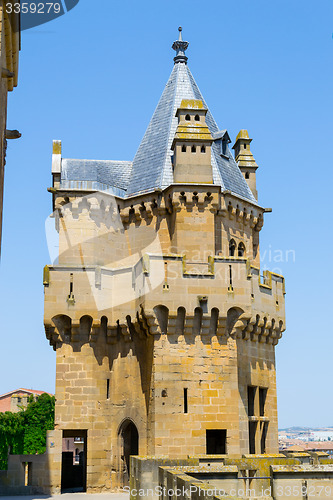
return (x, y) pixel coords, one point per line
(198, 290)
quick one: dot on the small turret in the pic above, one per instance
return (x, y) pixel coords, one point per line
(192, 160)
(245, 160)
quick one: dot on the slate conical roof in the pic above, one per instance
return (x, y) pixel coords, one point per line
(152, 167)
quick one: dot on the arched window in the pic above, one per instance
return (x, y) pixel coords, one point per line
(232, 248)
(193, 149)
(187, 118)
(247, 175)
(203, 149)
(241, 249)
(184, 149)
(197, 118)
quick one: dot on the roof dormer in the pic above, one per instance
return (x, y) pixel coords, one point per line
(192, 144)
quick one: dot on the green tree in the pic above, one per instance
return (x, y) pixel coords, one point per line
(25, 432)
(37, 419)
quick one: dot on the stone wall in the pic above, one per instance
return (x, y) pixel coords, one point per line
(273, 477)
(9, 51)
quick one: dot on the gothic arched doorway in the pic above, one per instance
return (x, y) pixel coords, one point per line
(129, 446)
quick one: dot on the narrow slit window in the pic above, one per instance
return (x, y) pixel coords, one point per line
(251, 394)
(197, 118)
(247, 175)
(193, 149)
(27, 473)
(184, 149)
(107, 388)
(262, 400)
(264, 429)
(203, 149)
(185, 400)
(252, 437)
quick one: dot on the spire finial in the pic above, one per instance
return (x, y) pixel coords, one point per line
(179, 46)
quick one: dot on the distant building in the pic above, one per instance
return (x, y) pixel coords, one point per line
(326, 447)
(75, 446)
(14, 400)
(317, 446)
(9, 56)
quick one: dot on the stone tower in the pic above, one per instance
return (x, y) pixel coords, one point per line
(164, 328)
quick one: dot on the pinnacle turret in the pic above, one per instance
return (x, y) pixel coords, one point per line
(180, 46)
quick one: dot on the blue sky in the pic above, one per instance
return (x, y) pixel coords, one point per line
(93, 77)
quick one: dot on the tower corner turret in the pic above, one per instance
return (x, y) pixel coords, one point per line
(245, 160)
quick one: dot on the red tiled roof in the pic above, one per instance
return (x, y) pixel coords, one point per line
(311, 446)
(26, 391)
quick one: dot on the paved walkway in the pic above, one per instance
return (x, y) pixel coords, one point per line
(72, 496)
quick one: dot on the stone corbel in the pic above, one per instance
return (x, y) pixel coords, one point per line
(231, 211)
(201, 199)
(125, 214)
(137, 212)
(52, 336)
(260, 223)
(49, 331)
(265, 332)
(223, 211)
(172, 325)
(153, 327)
(94, 206)
(149, 212)
(75, 209)
(189, 198)
(146, 210)
(175, 201)
(188, 326)
(239, 215)
(221, 327)
(162, 209)
(75, 330)
(138, 328)
(60, 201)
(94, 332)
(111, 334)
(239, 327)
(205, 325)
(125, 332)
(257, 330)
(143, 320)
(253, 222)
(247, 331)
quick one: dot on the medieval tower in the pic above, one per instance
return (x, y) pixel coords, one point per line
(163, 325)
